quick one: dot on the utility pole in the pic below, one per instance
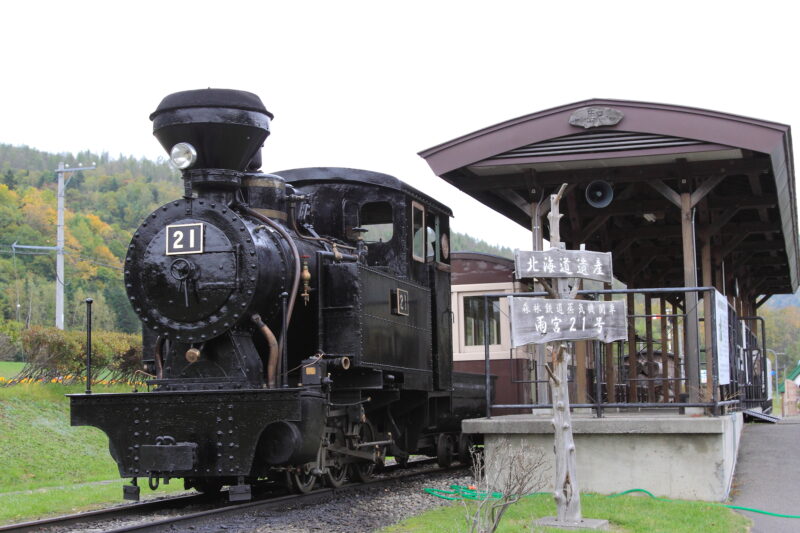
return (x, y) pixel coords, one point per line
(62, 185)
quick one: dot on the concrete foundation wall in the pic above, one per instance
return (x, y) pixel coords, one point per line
(671, 456)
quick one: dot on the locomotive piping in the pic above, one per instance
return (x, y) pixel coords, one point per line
(325, 241)
(295, 253)
(272, 358)
(157, 353)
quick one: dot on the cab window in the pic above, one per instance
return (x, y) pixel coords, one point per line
(376, 218)
(418, 231)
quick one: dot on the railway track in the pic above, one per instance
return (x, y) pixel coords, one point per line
(138, 517)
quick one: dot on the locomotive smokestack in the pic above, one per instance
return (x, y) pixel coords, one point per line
(211, 128)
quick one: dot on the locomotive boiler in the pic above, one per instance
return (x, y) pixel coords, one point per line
(296, 324)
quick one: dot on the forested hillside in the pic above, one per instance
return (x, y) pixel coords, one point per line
(104, 207)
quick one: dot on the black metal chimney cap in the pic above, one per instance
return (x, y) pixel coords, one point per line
(228, 98)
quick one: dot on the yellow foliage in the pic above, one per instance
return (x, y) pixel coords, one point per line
(100, 227)
(102, 253)
(39, 212)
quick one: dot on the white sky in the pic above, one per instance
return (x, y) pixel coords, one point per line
(370, 84)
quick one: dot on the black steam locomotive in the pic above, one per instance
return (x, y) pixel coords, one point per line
(297, 325)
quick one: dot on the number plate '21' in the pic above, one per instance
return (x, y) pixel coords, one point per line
(185, 239)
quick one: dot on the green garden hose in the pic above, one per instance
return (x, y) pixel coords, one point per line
(460, 492)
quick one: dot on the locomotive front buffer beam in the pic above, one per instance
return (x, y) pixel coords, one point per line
(208, 438)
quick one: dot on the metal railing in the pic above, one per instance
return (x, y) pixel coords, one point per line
(625, 374)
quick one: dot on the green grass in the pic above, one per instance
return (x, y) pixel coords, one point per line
(630, 514)
(16, 507)
(38, 447)
(8, 370)
(43, 457)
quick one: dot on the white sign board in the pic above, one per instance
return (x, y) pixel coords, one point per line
(539, 321)
(558, 263)
(723, 339)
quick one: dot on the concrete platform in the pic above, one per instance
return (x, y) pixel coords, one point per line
(674, 456)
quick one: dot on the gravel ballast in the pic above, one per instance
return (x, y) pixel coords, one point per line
(359, 511)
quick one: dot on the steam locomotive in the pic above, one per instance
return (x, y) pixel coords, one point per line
(297, 325)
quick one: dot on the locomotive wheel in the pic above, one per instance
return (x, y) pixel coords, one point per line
(301, 482)
(363, 471)
(444, 450)
(465, 446)
(335, 476)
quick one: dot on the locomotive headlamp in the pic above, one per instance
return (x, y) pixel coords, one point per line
(183, 155)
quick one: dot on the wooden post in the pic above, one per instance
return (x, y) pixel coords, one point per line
(677, 346)
(566, 493)
(581, 350)
(692, 344)
(611, 375)
(565, 490)
(651, 374)
(539, 356)
(666, 384)
(633, 362)
(708, 309)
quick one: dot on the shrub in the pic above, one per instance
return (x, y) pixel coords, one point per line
(54, 354)
(10, 347)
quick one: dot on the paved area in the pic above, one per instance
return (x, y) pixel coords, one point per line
(768, 475)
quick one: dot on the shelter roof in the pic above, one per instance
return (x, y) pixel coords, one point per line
(738, 170)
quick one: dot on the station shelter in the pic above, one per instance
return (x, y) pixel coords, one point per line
(697, 207)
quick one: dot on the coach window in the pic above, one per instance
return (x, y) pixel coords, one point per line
(418, 232)
(474, 321)
(376, 218)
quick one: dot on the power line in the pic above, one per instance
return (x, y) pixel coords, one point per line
(76, 255)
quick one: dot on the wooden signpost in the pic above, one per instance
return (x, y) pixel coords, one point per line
(563, 318)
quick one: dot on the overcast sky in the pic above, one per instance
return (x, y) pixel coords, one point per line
(370, 84)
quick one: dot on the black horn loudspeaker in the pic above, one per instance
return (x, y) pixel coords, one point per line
(599, 194)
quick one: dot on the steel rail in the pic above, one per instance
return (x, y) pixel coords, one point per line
(112, 512)
(179, 502)
(279, 503)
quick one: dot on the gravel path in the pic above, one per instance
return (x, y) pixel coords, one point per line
(361, 511)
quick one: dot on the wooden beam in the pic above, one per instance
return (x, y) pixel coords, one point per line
(705, 187)
(574, 218)
(763, 300)
(743, 201)
(596, 223)
(674, 231)
(515, 199)
(715, 227)
(760, 246)
(639, 267)
(666, 191)
(621, 174)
